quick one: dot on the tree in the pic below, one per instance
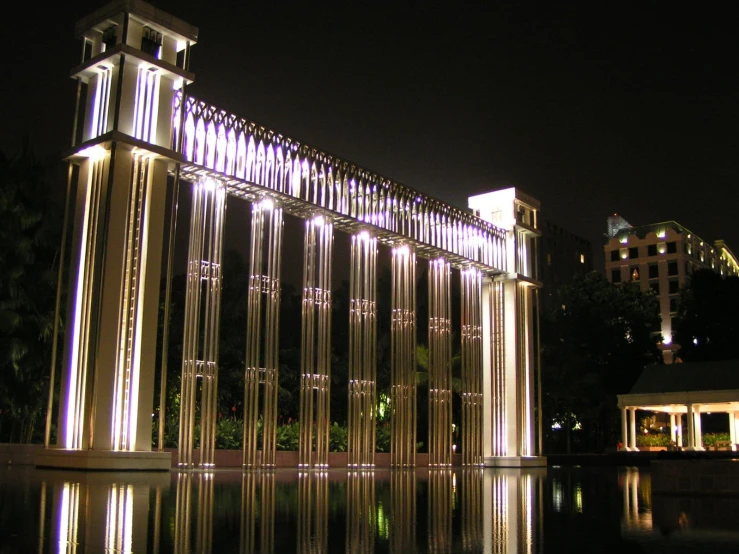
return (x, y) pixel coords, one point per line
(594, 346)
(29, 232)
(706, 324)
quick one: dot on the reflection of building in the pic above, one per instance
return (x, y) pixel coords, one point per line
(661, 257)
(564, 255)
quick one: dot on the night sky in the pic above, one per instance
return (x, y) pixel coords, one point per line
(591, 109)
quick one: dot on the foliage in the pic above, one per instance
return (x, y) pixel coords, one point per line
(338, 439)
(29, 241)
(706, 323)
(382, 438)
(229, 433)
(658, 439)
(288, 436)
(594, 346)
(710, 439)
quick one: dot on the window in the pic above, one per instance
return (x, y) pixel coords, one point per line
(672, 269)
(652, 250)
(616, 276)
(634, 252)
(634, 273)
(653, 271)
(673, 304)
(614, 255)
(109, 37)
(582, 258)
(655, 287)
(674, 287)
(549, 259)
(151, 42)
(672, 247)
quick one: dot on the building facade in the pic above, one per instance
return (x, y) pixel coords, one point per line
(661, 257)
(563, 256)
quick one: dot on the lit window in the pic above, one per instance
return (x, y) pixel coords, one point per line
(582, 258)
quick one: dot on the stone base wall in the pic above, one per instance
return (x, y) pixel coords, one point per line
(715, 477)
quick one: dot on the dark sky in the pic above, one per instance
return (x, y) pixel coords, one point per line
(592, 109)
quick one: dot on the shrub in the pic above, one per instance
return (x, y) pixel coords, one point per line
(653, 440)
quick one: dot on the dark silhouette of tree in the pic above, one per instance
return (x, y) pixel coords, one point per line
(706, 325)
(29, 248)
(594, 346)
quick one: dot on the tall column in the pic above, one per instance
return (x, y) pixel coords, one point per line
(316, 343)
(698, 428)
(403, 358)
(362, 351)
(679, 418)
(201, 322)
(471, 367)
(488, 367)
(691, 427)
(440, 364)
(262, 327)
(632, 431)
(673, 429)
(732, 429)
(624, 428)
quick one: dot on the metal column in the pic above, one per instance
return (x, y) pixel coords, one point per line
(440, 364)
(403, 358)
(316, 343)
(262, 328)
(201, 321)
(362, 351)
(471, 367)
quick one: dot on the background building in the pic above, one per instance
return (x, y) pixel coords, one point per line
(661, 257)
(564, 255)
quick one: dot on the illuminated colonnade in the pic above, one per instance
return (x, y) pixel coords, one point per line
(138, 127)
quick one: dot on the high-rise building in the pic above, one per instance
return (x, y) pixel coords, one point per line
(564, 255)
(661, 257)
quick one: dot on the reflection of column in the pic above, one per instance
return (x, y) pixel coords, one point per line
(360, 512)
(472, 510)
(250, 511)
(201, 325)
(624, 428)
(403, 358)
(510, 501)
(440, 511)
(439, 364)
(362, 351)
(632, 433)
(471, 367)
(262, 328)
(182, 530)
(65, 528)
(691, 427)
(313, 512)
(204, 532)
(403, 512)
(316, 343)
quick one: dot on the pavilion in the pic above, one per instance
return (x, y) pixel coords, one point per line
(681, 389)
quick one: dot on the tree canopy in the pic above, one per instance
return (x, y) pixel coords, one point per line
(594, 346)
(706, 325)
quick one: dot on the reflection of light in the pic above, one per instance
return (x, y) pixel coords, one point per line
(578, 498)
(557, 495)
(68, 515)
(383, 523)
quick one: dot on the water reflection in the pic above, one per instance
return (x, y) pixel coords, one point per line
(408, 511)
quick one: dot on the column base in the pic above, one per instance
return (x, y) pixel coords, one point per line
(516, 461)
(105, 460)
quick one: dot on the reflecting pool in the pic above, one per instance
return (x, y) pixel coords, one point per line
(559, 509)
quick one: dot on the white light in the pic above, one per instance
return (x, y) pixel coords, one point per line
(695, 341)
(364, 235)
(624, 239)
(95, 152)
(209, 185)
(661, 234)
(267, 204)
(667, 339)
(318, 221)
(402, 251)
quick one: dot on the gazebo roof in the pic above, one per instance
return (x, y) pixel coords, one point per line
(712, 386)
(685, 377)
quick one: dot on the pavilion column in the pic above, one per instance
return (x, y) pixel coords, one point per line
(673, 429)
(732, 429)
(316, 343)
(624, 428)
(698, 429)
(362, 351)
(632, 425)
(262, 331)
(440, 366)
(201, 322)
(679, 429)
(691, 427)
(403, 358)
